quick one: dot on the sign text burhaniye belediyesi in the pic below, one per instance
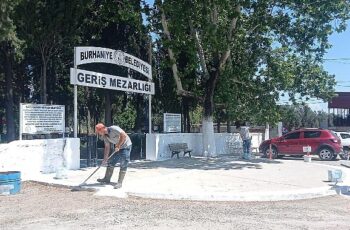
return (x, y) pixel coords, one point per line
(86, 55)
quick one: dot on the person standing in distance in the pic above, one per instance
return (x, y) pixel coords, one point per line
(122, 146)
(246, 138)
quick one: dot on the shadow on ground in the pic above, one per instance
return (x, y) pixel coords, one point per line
(316, 158)
(203, 163)
(341, 189)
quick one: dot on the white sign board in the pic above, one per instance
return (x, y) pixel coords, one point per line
(41, 119)
(84, 55)
(101, 80)
(172, 123)
(307, 149)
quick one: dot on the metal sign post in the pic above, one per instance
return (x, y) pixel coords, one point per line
(75, 100)
(149, 114)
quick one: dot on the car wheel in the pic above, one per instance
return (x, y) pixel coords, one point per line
(274, 153)
(345, 154)
(326, 153)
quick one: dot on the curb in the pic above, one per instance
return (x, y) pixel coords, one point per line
(250, 196)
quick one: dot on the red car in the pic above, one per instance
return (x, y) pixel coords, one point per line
(323, 142)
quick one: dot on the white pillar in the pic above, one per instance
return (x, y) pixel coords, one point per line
(267, 131)
(280, 126)
(208, 136)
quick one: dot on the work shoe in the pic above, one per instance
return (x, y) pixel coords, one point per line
(118, 186)
(120, 179)
(108, 176)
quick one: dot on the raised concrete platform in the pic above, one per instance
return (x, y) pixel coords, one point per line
(215, 179)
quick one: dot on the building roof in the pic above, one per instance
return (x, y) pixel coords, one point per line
(342, 101)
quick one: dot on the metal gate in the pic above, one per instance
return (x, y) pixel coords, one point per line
(91, 149)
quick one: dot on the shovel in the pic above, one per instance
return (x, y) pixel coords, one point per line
(80, 186)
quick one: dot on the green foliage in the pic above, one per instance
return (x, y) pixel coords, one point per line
(126, 118)
(197, 115)
(276, 46)
(301, 116)
(7, 25)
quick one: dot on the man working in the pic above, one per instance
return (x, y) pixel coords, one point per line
(122, 146)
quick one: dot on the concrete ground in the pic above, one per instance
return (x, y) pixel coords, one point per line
(225, 178)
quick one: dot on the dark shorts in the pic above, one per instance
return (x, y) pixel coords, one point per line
(122, 157)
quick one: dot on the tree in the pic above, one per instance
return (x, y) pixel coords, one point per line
(47, 27)
(8, 44)
(261, 38)
(118, 25)
(301, 116)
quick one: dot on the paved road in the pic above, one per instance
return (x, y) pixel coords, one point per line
(45, 207)
(316, 160)
(225, 178)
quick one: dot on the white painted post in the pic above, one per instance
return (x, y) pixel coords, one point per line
(280, 127)
(267, 131)
(209, 146)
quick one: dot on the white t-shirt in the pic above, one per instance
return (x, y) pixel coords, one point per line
(114, 135)
(244, 132)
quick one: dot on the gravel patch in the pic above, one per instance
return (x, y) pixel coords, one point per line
(46, 207)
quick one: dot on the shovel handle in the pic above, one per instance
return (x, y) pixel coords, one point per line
(96, 169)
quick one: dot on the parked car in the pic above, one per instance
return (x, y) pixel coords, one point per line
(325, 143)
(345, 142)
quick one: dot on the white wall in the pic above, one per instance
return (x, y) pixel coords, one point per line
(44, 155)
(226, 143)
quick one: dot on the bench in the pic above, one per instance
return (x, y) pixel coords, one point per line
(176, 148)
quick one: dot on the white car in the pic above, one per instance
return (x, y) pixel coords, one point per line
(345, 142)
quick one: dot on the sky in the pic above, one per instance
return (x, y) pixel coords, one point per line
(340, 67)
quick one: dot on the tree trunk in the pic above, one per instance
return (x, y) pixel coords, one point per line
(186, 114)
(228, 126)
(267, 132)
(108, 109)
(171, 53)
(209, 146)
(1, 123)
(43, 87)
(218, 125)
(10, 122)
(188, 122)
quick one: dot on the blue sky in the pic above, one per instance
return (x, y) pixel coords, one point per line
(340, 67)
